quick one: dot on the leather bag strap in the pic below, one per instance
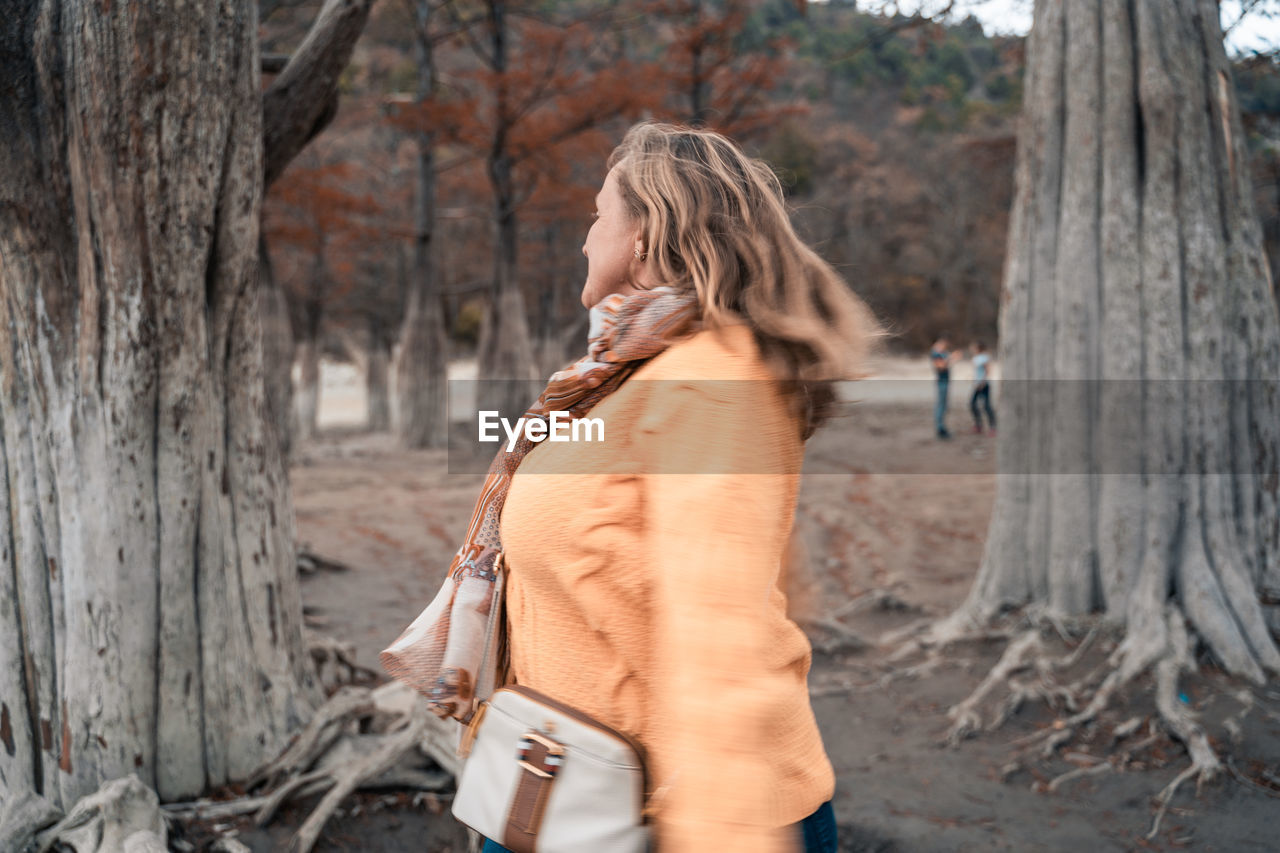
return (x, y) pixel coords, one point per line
(540, 760)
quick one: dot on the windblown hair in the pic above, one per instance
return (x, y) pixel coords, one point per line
(715, 221)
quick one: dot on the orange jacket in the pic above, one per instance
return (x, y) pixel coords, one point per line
(644, 588)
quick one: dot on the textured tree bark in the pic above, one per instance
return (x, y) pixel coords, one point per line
(277, 353)
(1140, 406)
(421, 410)
(150, 617)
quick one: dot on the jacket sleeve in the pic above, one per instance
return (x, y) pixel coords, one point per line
(719, 503)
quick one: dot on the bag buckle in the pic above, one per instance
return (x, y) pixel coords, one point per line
(554, 757)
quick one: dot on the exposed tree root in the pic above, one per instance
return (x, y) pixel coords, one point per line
(21, 817)
(351, 760)
(325, 650)
(920, 670)
(962, 626)
(325, 728)
(964, 715)
(1271, 791)
(844, 684)
(1096, 769)
(1166, 795)
(359, 739)
(1092, 765)
(1232, 724)
(348, 776)
(838, 636)
(310, 562)
(123, 815)
(1028, 671)
(878, 599)
(1025, 652)
(834, 636)
(1205, 765)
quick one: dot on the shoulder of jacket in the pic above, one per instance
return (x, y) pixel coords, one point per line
(726, 352)
(715, 382)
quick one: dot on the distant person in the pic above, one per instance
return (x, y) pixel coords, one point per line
(940, 356)
(981, 389)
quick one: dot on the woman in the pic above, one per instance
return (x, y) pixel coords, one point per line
(653, 599)
(645, 571)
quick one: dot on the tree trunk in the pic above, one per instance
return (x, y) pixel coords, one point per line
(150, 617)
(423, 358)
(298, 105)
(308, 397)
(376, 375)
(277, 352)
(1140, 347)
(506, 358)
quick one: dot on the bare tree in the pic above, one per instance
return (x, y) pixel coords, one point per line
(506, 358)
(150, 617)
(300, 103)
(1140, 431)
(422, 358)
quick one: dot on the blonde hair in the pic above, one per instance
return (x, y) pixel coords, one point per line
(715, 221)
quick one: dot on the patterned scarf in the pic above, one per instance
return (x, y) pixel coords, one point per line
(441, 653)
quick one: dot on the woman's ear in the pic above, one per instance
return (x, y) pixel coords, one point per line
(638, 240)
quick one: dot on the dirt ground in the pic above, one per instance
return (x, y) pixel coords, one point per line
(888, 507)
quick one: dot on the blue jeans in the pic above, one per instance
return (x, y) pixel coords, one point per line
(818, 830)
(940, 410)
(982, 392)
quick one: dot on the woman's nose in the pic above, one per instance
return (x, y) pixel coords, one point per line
(584, 250)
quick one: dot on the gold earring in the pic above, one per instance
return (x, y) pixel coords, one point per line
(639, 254)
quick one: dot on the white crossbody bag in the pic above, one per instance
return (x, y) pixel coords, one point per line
(539, 776)
(542, 776)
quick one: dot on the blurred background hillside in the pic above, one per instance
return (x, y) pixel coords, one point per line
(893, 136)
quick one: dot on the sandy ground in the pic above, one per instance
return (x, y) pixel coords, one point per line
(395, 518)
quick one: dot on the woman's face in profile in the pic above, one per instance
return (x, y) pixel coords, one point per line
(610, 246)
